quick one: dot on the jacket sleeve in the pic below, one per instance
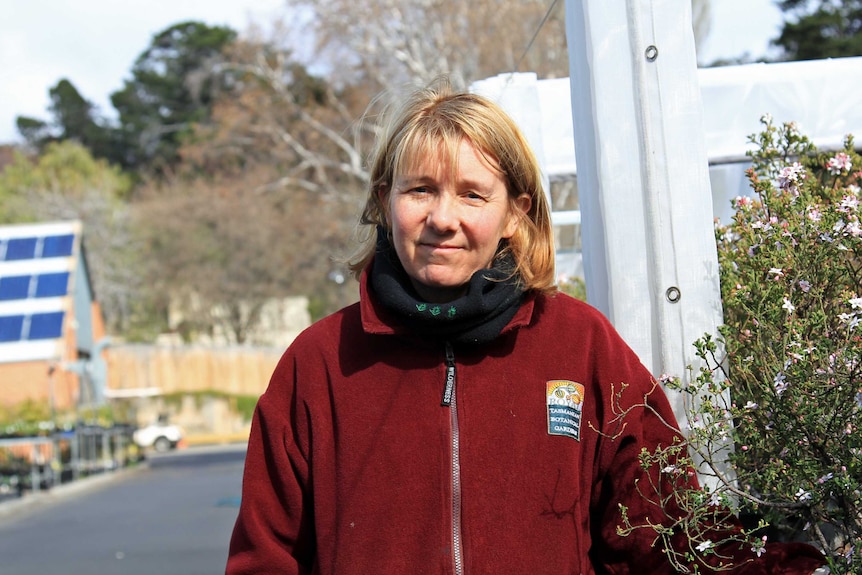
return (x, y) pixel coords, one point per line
(637, 417)
(274, 529)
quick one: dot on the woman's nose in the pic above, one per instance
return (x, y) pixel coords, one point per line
(443, 213)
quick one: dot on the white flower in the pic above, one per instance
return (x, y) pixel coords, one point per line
(760, 549)
(715, 500)
(855, 303)
(849, 203)
(813, 214)
(780, 383)
(804, 285)
(790, 176)
(803, 495)
(750, 405)
(852, 320)
(777, 272)
(704, 546)
(788, 306)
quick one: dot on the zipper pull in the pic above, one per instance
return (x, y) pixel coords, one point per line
(449, 389)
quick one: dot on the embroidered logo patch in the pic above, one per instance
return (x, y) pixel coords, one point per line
(565, 404)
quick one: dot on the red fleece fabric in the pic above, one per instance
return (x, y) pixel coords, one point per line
(349, 466)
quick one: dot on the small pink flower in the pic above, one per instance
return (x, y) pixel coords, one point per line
(849, 203)
(813, 214)
(791, 176)
(839, 163)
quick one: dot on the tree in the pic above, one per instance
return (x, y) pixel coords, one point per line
(173, 85)
(219, 251)
(392, 42)
(816, 29)
(73, 118)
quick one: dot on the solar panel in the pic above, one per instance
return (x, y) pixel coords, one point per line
(58, 246)
(21, 249)
(14, 287)
(45, 325)
(11, 327)
(52, 285)
(36, 292)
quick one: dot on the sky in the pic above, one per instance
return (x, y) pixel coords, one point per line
(93, 43)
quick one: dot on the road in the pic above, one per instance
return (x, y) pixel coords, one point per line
(171, 516)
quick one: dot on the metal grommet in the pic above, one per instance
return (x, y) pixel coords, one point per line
(673, 294)
(651, 53)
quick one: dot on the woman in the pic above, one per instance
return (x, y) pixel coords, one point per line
(462, 417)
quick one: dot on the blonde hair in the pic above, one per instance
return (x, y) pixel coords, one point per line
(437, 119)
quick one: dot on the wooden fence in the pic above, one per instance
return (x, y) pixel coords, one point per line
(177, 369)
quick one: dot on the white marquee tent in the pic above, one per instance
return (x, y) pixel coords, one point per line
(661, 152)
(823, 97)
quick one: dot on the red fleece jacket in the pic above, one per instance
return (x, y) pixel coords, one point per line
(355, 467)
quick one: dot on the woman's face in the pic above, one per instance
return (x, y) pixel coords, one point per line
(447, 224)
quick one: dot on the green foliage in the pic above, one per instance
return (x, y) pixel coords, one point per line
(791, 284)
(773, 406)
(698, 530)
(783, 384)
(174, 84)
(73, 118)
(65, 173)
(27, 418)
(821, 29)
(245, 405)
(241, 404)
(573, 286)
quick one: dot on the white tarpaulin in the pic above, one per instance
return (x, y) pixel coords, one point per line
(650, 261)
(821, 96)
(662, 151)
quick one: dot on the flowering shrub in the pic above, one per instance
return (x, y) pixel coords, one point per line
(774, 410)
(791, 277)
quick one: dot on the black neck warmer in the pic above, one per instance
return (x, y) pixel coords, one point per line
(492, 299)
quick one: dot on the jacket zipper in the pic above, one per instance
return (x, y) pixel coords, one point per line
(449, 400)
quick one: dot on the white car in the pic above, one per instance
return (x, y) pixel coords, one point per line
(160, 436)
